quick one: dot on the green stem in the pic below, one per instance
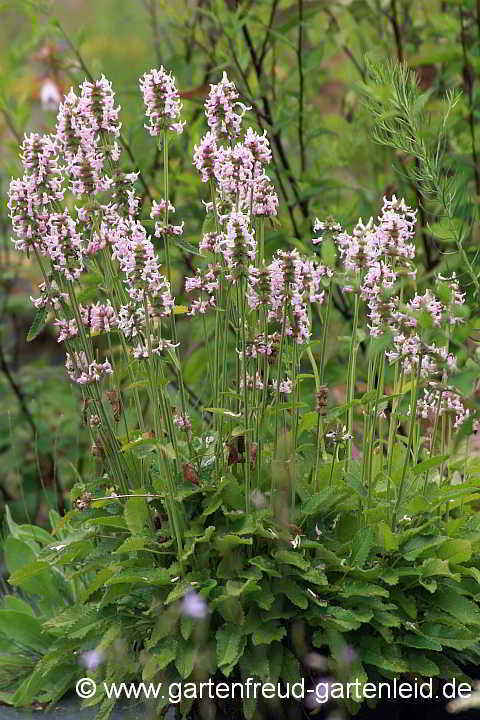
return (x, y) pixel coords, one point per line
(352, 367)
(412, 425)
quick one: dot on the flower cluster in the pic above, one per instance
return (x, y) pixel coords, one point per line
(438, 400)
(33, 197)
(288, 285)
(84, 126)
(223, 109)
(373, 256)
(162, 102)
(84, 372)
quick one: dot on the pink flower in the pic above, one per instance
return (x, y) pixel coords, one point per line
(204, 156)
(96, 106)
(82, 372)
(223, 110)
(183, 422)
(162, 102)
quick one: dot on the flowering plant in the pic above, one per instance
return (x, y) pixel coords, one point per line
(251, 503)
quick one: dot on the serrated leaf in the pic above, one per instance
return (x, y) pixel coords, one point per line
(362, 544)
(230, 644)
(24, 629)
(231, 610)
(136, 515)
(228, 541)
(39, 322)
(293, 591)
(290, 672)
(289, 557)
(185, 658)
(268, 632)
(459, 607)
(185, 245)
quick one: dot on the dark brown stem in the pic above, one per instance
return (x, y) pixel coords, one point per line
(11, 125)
(276, 137)
(273, 11)
(301, 87)
(260, 121)
(18, 392)
(468, 77)
(345, 48)
(397, 31)
(151, 6)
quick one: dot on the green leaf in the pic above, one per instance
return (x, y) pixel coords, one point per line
(415, 546)
(362, 544)
(456, 551)
(228, 541)
(435, 566)
(459, 607)
(254, 663)
(166, 652)
(421, 642)
(268, 632)
(12, 602)
(115, 521)
(353, 588)
(185, 659)
(446, 229)
(132, 544)
(265, 564)
(230, 608)
(421, 664)
(230, 644)
(293, 591)
(159, 576)
(275, 657)
(39, 322)
(322, 501)
(136, 515)
(99, 582)
(346, 619)
(386, 537)
(290, 672)
(27, 533)
(289, 557)
(24, 629)
(428, 464)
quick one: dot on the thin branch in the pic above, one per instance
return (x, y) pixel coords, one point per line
(346, 49)
(260, 118)
(276, 137)
(151, 6)
(469, 81)
(301, 88)
(397, 31)
(17, 391)
(264, 49)
(11, 125)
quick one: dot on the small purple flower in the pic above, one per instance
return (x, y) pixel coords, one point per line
(194, 606)
(92, 659)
